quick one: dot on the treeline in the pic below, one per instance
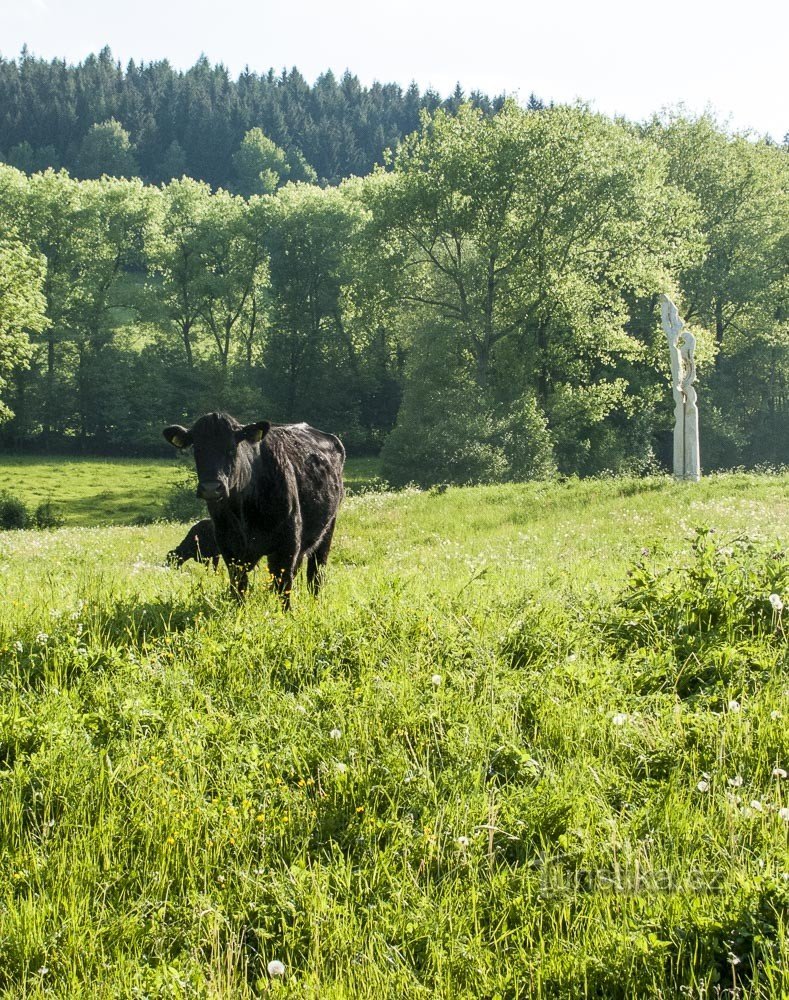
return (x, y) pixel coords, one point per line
(158, 123)
(485, 309)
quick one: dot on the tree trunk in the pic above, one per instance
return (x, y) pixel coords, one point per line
(543, 374)
(50, 399)
(720, 329)
(186, 329)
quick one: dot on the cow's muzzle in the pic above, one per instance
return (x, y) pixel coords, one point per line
(212, 490)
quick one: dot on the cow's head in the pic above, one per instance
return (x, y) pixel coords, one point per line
(222, 455)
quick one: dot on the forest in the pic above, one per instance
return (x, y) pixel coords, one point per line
(482, 306)
(157, 123)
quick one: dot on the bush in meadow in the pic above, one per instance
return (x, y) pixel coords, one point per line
(14, 514)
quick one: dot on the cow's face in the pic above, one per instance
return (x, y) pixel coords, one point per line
(221, 453)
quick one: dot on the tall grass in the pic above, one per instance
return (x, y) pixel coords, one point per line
(528, 743)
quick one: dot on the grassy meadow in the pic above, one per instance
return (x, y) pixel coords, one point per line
(531, 741)
(100, 491)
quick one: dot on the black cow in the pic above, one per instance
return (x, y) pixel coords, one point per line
(199, 544)
(271, 490)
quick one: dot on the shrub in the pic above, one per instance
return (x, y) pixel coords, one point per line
(443, 435)
(182, 502)
(526, 441)
(47, 516)
(13, 512)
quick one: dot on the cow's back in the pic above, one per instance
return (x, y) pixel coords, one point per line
(315, 460)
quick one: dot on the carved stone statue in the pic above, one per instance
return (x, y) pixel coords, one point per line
(681, 345)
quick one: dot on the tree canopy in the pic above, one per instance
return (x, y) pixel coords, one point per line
(483, 306)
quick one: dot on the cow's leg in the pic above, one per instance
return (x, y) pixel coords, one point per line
(239, 580)
(317, 559)
(282, 569)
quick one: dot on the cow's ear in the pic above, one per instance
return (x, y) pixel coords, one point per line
(179, 437)
(254, 432)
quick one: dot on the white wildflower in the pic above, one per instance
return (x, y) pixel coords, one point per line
(275, 969)
(779, 772)
(734, 706)
(736, 781)
(619, 719)
(463, 842)
(776, 714)
(777, 603)
(756, 806)
(340, 768)
(42, 638)
(18, 646)
(784, 814)
(703, 785)
(335, 734)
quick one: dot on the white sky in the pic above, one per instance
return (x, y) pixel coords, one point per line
(623, 56)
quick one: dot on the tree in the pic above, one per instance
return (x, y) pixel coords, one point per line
(738, 288)
(31, 161)
(526, 232)
(309, 233)
(106, 149)
(174, 164)
(260, 165)
(233, 272)
(48, 212)
(22, 308)
(90, 233)
(173, 248)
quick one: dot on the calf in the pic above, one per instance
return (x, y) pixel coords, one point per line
(271, 490)
(199, 544)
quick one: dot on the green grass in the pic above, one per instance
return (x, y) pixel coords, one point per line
(95, 491)
(189, 790)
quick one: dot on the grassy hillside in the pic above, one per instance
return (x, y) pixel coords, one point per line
(529, 743)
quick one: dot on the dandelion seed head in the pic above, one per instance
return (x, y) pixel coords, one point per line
(734, 705)
(275, 968)
(736, 781)
(703, 785)
(435, 680)
(779, 772)
(619, 719)
(335, 734)
(777, 603)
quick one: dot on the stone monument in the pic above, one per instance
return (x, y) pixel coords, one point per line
(681, 345)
